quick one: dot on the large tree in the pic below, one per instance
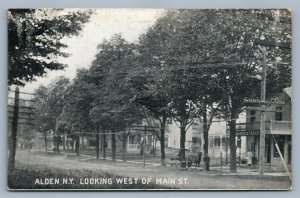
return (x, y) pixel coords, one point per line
(245, 30)
(188, 41)
(150, 84)
(114, 107)
(49, 103)
(177, 83)
(35, 40)
(75, 116)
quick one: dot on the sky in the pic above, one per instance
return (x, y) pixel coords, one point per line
(103, 24)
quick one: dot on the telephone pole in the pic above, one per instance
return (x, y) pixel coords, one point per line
(14, 130)
(262, 113)
(263, 108)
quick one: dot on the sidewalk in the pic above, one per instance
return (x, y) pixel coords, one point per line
(224, 170)
(214, 170)
(249, 171)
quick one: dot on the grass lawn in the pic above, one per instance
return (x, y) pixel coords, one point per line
(41, 177)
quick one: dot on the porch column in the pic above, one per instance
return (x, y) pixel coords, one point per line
(271, 149)
(286, 146)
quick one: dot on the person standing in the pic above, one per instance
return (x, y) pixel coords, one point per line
(249, 158)
(198, 159)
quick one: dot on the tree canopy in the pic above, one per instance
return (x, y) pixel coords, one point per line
(35, 40)
(190, 65)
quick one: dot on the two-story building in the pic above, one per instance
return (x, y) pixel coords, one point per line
(193, 138)
(277, 128)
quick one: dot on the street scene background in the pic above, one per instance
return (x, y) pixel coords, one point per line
(188, 99)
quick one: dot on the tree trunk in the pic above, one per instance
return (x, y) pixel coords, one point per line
(232, 144)
(104, 144)
(77, 144)
(72, 143)
(205, 137)
(46, 141)
(57, 142)
(67, 142)
(124, 143)
(82, 142)
(142, 147)
(101, 142)
(113, 145)
(162, 140)
(97, 143)
(154, 146)
(182, 145)
(64, 141)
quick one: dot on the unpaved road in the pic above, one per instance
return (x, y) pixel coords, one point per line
(190, 179)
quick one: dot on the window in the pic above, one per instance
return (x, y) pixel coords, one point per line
(278, 113)
(217, 141)
(194, 140)
(166, 142)
(239, 141)
(169, 121)
(252, 116)
(131, 139)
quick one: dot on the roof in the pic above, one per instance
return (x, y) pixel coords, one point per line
(288, 91)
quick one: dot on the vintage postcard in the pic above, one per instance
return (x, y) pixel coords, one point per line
(149, 99)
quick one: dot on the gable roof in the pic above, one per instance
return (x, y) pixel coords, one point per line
(288, 91)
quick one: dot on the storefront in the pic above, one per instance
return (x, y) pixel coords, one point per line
(278, 129)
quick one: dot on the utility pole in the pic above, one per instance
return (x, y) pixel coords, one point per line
(14, 130)
(262, 44)
(263, 108)
(262, 113)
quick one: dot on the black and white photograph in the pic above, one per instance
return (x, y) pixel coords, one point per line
(117, 99)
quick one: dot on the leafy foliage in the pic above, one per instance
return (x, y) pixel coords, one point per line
(49, 103)
(35, 40)
(114, 107)
(192, 64)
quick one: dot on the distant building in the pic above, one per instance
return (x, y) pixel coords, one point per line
(193, 140)
(172, 137)
(218, 138)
